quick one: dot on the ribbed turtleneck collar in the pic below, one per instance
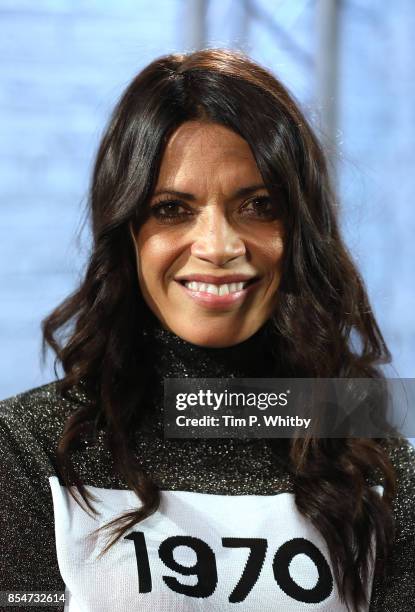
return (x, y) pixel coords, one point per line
(174, 357)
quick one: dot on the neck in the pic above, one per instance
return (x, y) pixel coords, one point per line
(174, 357)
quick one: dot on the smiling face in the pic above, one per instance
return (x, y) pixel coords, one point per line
(209, 253)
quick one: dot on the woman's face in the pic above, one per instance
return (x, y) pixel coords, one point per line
(209, 254)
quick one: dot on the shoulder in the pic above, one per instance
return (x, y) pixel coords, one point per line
(38, 413)
(402, 456)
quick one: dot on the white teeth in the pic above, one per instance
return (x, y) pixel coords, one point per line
(236, 287)
(215, 289)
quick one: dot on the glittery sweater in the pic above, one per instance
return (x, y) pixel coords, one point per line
(227, 534)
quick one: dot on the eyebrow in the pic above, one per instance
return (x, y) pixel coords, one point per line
(240, 193)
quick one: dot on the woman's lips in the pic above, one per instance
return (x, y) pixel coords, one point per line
(211, 300)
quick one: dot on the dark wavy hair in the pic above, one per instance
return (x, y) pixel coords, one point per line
(97, 332)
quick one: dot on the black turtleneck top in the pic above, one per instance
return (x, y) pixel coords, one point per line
(227, 534)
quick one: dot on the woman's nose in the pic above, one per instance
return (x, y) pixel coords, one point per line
(215, 239)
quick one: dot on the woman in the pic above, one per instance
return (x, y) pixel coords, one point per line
(216, 253)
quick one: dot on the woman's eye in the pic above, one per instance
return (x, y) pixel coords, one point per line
(169, 210)
(261, 206)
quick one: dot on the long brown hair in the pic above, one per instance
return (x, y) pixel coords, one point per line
(96, 332)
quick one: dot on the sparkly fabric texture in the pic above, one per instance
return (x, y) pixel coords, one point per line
(32, 423)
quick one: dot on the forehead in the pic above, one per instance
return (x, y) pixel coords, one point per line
(200, 151)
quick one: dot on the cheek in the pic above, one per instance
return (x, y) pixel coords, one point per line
(276, 252)
(156, 254)
(269, 250)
